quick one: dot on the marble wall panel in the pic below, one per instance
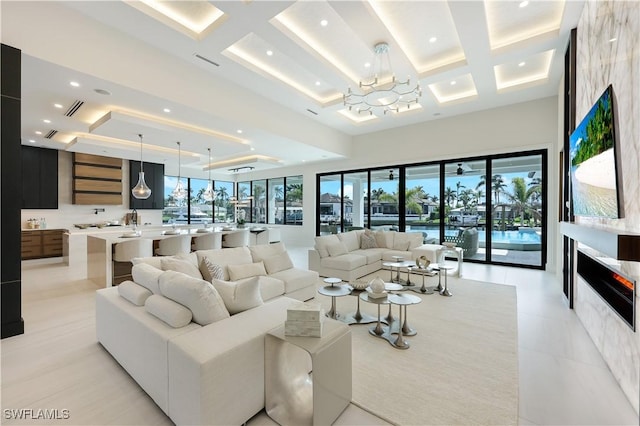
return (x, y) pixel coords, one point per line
(608, 52)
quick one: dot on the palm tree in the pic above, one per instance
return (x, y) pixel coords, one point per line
(413, 200)
(521, 198)
(497, 186)
(449, 195)
(376, 194)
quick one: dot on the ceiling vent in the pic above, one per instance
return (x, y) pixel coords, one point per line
(312, 111)
(74, 108)
(51, 134)
(206, 60)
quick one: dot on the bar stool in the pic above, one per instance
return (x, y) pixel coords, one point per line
(123, 252)
(174, 245)
(238, 238)
(209, 241)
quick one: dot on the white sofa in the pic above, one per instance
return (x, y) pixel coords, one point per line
(200, 372)
(344, 256)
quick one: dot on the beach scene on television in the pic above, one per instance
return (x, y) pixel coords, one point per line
(593, 164)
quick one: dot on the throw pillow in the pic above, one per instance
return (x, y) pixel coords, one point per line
(262, 251)
(350, 240)
(246, 270)
(368, 240)
(172, 313)
(415, 240)
(277, 263)
(337, 249)
(322, 242)
(239, 296)
(401, 245)
(133, 292)
(211, 270)
(199, 296)
(179, 265)
(384, 239)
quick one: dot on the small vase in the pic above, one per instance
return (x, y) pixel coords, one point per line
(376, 285)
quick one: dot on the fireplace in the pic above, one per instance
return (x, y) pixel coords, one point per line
(617, 290)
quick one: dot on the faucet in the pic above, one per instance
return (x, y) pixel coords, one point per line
(134, 217)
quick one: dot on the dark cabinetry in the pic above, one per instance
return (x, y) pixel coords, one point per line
(39, 244)
(39, 178)
(154, 177)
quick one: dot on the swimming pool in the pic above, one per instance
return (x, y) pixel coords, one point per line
(524, 240)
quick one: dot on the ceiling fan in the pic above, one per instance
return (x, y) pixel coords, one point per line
(461, 170)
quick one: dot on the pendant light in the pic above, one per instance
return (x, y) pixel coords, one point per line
(141, 191)
(208, 194)
(179, 193)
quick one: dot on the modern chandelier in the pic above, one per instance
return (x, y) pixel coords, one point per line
(208, 194)
(381, 90)
(141, 191)
(179, 193)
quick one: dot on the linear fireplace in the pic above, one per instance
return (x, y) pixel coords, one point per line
(614, 288)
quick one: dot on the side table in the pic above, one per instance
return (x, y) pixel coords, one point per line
(293, 394)
(403, 300)
(333, 292)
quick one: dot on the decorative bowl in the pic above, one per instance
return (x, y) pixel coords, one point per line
(359, 285)
(422, 262)
(449, 244)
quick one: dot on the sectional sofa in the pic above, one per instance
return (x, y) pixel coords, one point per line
(190, 328)
(351, 255)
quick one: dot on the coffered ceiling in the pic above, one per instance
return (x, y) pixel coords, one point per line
(261, 83)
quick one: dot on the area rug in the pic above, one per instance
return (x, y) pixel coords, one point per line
(461, 368)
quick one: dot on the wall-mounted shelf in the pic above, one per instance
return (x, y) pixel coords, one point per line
(97, 180)
(616, 243)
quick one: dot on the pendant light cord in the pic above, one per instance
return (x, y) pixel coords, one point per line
(141, 164)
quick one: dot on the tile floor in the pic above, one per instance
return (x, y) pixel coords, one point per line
(563, 379)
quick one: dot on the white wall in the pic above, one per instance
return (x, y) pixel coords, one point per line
(519, 127)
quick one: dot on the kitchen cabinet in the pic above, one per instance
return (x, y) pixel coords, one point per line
(97, 180)
(154, 177)
(38, 244)
(39, 178)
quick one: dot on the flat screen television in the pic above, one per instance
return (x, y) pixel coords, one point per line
(595, 189)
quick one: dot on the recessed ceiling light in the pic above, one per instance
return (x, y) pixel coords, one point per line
(317, 83)
(166, 110)
(304, 161)
(524, 4)
(252, 149)
(239, 131)
(38, 132)
(74, 83)
(453, 83)
(611, 40)
(433, 39)
(32, 141)
(102, 92)
(269, 52)
(47, 121)
(522, 64)
(57, 105)
(324, 22)
(367, 64)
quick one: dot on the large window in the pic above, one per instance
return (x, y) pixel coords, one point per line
(201, 211)
(492, 207)
(224, 208)
(194, 208)
(275, 203)
(259, 201)
(293, 199)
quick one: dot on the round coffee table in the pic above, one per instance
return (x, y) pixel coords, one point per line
(331, 281)
(357, 317)
(391, 266)
(429, 271)
(378, 330)
(445, 291)
(403, 300)
(333, 292)
(389, 287)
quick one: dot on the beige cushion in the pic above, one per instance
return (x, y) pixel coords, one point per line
(322, 243)
(147, 276)
(133, 292)
(347, 262)
(372, 255)
(178, 265)
(278, 263)
(415, 240)
(337, 249)
(262, 251)
(172, 313)
(210, 270)
(384, 239)
(296, 279)
(239, 296)
(199, 296)
(270, 287)
(350, 240)
(368, 240)
(246, 270)
(227, 256)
